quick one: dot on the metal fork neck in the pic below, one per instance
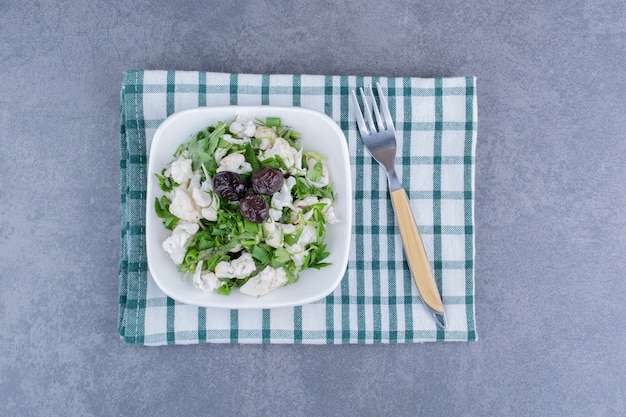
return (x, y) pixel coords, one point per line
(393, 180)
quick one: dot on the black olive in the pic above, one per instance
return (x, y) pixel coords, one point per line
(229, 185)
(267, 181)
(254, 208)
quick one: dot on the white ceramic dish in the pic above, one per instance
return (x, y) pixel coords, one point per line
(320, 134)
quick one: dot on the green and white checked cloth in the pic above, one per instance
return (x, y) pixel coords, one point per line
(377, 301)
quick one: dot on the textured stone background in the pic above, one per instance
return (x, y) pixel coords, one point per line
(551, 192)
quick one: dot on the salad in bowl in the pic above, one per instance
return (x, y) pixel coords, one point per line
(246, 206)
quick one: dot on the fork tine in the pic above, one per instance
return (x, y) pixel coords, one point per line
(357, 114)
(368, 111)
(384, 107)
(379, 120)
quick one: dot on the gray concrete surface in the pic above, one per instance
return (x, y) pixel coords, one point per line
(551, 192)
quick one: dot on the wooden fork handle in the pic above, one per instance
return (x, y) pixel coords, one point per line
(414, 251)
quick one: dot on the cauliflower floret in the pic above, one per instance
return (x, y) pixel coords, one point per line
(243, 266)
(277, 231)
(275, 214)
(196, 202)
(298, 258)
(297, 250)
(308, 236)
(283, 198)
(288, 228)
(219, 154)
(207, 281)
(242, 127)
(306, 202)
(204, 197)
(200, 193)
(228, 138)
(275, 236)
(265, 281)
(265, 143)
(264, 132)
(282, 148)
(183, 207)
(210, 213)
(235, 162)
(223, 270)
(322, 180)
(329, 211)
(296, 169)
(194, 182)
(180, 170)
(176, 244)
(237, 268)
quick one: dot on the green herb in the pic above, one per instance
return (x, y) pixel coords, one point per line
(191, 257)
(293, 239)
(280, 258)
(197, 148)
(261, 254)
(226, 287)
(281, 163)
(317, 254)
(271, 162)
(251, 157)
(162, 209)
(164, 183)
(292, 275)
(302, 189)
(272, 121)
(217, 251)
(315, 173)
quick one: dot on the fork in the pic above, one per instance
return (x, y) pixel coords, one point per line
(380, 140)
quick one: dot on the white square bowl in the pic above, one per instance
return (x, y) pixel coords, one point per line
(320, 134)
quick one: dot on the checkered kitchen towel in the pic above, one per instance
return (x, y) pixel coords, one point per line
(377, 301)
